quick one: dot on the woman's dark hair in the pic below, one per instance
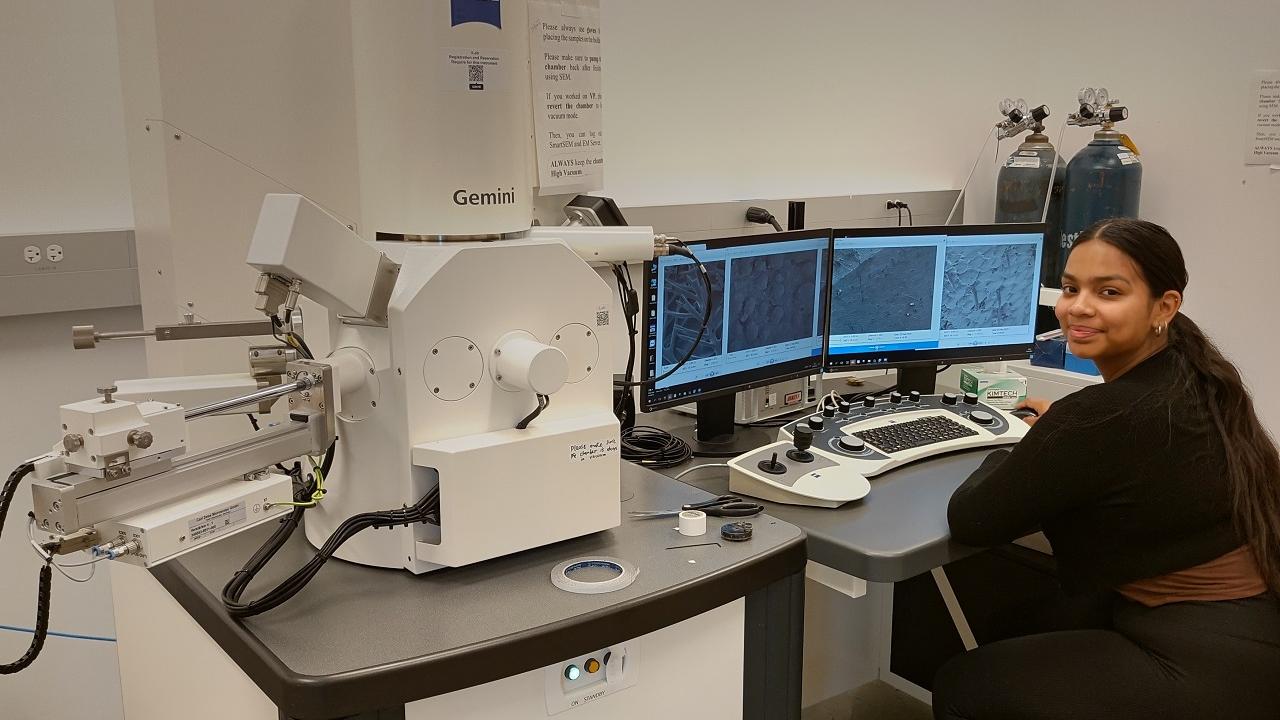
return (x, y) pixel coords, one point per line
(1253, 463)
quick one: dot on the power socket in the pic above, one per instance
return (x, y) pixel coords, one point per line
(54, 253)
(31, 254)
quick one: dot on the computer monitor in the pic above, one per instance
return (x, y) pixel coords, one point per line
(768, 298)
(914, 297)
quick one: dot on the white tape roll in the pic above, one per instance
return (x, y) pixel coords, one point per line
(693, 523)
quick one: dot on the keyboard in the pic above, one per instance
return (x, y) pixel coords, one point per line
(879, 435)
(914, 433)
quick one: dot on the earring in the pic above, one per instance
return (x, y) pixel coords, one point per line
(1160, 329)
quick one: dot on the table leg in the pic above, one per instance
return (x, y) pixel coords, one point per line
(771, 673)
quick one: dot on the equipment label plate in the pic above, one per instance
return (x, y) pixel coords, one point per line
(1127, 158)
(213, 522)
(1023, 162)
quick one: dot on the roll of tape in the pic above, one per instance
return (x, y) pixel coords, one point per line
(623, 574)
(693, 523)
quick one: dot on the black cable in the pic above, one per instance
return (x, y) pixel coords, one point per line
(624, 407)
(424, 510)
(911, 220)
(543, 402)
(706, 320)
(45, 584)
(653, 447)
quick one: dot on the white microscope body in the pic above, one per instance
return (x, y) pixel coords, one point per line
(442, 353)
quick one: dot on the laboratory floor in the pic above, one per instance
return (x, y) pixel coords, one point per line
(873, 700)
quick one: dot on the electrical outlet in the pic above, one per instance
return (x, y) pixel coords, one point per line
(31, 254)
(54, 253)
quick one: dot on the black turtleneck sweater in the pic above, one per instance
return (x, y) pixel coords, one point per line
(1127, 479)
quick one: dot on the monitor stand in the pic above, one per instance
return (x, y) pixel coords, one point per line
(714, 434)
(918, 377)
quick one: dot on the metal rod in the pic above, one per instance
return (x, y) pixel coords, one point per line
(121, 334)
(253, 398)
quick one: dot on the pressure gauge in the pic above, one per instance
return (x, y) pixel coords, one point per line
(1087, 96)
(1021, 104)
(1102, 96)
(1005, 106)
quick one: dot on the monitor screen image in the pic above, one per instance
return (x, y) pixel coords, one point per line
(766, 320)
(902, 296)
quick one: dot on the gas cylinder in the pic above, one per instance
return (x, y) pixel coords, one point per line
(1020, 194)
(1104, 180)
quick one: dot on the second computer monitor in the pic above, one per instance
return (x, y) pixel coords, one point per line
(928, 295)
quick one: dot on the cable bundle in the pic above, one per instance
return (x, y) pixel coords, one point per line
(425, 510)
(654, 448)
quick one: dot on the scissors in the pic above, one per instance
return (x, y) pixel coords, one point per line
(723, 506)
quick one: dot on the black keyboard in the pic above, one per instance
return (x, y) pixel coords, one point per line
(914, 433)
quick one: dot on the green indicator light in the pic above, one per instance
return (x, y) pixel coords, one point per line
(573, 672)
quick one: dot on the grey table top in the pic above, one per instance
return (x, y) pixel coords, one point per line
(359, 638)
(898, 531)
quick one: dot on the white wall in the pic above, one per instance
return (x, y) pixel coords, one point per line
(735, 99)
(62, 154)
(62, 168)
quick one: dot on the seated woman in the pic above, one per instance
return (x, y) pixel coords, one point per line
(1160, 493)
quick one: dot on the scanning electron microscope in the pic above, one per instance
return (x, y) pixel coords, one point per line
(468, 387)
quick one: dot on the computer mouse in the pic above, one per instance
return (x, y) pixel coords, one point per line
(1024, 412)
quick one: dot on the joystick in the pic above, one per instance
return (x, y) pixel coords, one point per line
(804, 440)
(772, 466)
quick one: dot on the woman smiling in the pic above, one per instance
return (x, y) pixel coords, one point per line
(1160, 493)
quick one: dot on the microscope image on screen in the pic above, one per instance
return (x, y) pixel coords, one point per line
(882, 289)
(683, 306)
(772, 299)
(987, 286)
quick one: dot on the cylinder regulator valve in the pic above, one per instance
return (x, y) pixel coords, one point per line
(1097, 107)
(1018, 118)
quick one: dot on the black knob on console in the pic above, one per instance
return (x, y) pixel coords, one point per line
(828, 411)
(914, 396)
(816, 422)
(844, 406)
(949, 398)
(982, 417)
(803, 437)
(970, 398)
(895, 397)
(803, 440)
(868, 402)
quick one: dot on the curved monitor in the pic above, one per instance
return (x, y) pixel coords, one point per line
(927, 295)
(766, 322)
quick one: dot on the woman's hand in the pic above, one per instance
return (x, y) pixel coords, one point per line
(1039, 405)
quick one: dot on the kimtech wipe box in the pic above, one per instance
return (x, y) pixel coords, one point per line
(1002, 390)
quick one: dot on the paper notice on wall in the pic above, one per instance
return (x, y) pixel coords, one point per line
(564, 61)
(1263, 134)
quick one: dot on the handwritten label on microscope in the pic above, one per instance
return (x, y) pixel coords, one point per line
(582, 452)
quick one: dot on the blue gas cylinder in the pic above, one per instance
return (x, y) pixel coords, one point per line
(1021, 188)
(1104, 180)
